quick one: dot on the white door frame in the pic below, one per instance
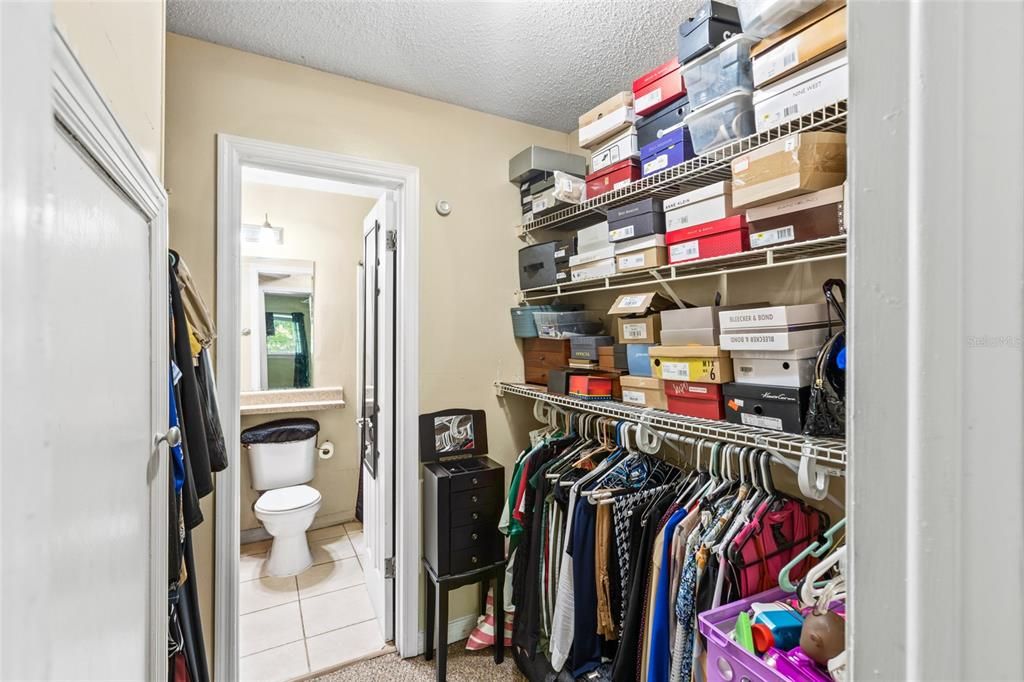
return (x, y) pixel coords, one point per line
(232, 154)
(935, 500)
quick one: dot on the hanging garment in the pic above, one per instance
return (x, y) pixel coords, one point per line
(191, 403)
(658, 666)
(196, 311)
(625, 667)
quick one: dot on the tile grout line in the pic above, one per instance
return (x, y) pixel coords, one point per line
(270, 648)
(302, 622)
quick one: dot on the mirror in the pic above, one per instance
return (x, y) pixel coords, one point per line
(453, 433)
(277, 323)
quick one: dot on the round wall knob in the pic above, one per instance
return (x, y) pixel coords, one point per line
(443, 208)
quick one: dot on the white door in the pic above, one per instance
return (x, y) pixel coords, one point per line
(376, 417)
(84, 390)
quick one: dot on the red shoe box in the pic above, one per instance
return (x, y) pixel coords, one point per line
(717, 238)
(613, 177)
(592, 387)
(695, 400)
(658, 88)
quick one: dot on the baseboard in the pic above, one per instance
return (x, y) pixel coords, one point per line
(458, 630)
(251, 535)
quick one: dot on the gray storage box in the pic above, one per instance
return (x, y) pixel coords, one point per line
(534, 161)
(585, 347)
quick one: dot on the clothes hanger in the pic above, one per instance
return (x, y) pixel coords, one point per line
(816, 549)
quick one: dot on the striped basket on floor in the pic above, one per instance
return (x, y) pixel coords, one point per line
(483, 634)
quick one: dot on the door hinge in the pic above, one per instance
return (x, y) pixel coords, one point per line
(389, 567)
(391, 238)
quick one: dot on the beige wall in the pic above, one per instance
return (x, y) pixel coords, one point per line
(325, 228)
(121, 46)
(466, 259)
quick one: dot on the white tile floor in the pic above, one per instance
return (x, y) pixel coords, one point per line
(320, 618)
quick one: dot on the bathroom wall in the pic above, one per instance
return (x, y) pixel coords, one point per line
(326, 228)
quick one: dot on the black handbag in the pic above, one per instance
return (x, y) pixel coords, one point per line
(826, 412)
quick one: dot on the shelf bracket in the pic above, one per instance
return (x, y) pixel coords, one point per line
(811, 477)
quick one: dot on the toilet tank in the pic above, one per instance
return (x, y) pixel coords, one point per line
(282, 453)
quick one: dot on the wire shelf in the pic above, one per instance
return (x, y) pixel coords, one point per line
(828, 248)
(830, 451)
(696, 172)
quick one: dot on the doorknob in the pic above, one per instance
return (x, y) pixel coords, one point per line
(172, 437)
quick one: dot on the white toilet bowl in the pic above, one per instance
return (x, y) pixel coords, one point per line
(287, 513)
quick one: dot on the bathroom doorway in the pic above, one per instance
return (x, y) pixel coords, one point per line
(320, 391)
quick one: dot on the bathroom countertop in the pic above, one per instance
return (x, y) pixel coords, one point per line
(291, 400)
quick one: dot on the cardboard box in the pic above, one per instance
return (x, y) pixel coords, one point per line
(535, 162)
(822, 216)
(643, 392)
(695, 400)
(709, 240)
(639, 329)
(537, 265)
(637, 219)
(621, 147)
(592, 255)
(705, 364)
(641, 304)
(774, 371)
(700, 336)
(811, 89)
(585, 347)
(764, 317)
(606, 119)
(593, 237)
(668, 151)
(595, 270)
(565, 249)
(639, 244)
(615, 176)
(796, 164)
(776, 408)
(776, 338)
(590, 387)
(699, 317)
(714, 23)
(653, 257)
(658, 88)
(703, 370)
(703, 205)
(799, 44)
(654, 127)
(638, 359)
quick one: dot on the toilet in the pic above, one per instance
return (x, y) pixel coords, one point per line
(282, 455)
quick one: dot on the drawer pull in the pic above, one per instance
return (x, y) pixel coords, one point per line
(475, 560)
(475, 516)
(475, 536)
(475, 500)
(475, 481)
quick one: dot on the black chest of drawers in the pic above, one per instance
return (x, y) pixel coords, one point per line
(462, 504)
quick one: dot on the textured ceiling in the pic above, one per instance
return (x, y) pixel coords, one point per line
(541, 62)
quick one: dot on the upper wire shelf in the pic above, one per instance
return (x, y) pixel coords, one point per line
(830, 451)
(827, 248)
(696, 172)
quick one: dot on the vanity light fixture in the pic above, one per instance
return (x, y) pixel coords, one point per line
(263, 234)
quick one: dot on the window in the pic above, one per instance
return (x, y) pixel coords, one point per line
(283, 337)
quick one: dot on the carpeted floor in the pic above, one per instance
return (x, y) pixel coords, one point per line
(463, 666)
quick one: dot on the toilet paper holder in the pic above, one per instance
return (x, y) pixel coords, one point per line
(325, 449)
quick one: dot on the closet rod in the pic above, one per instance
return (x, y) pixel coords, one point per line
(813, 481)
(826, 456)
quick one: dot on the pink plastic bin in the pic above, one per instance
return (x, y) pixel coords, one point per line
(727, 660)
